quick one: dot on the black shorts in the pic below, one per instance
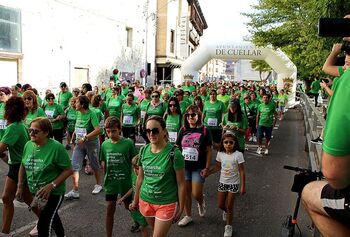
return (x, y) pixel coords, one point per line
(114, 198)
(13, 172)
(336, 203)
(216, 135)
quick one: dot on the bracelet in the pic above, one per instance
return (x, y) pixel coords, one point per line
(53, 185)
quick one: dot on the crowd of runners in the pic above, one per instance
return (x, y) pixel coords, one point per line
(181, 128)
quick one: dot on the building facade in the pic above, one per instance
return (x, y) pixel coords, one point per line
(180, 24)
(74, 41)
(214, 70)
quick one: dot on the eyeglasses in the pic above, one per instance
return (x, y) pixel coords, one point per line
(172, 105)
(50, 98)
(28, 98)
(154, 131)
(155, 96)
(229, 142)
(191, 115)
(33, 131)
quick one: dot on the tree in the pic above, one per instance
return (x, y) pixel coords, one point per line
(292, 26)
(261, 66)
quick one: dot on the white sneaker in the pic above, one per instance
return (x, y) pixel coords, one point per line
(254, 139)
(185, 221)
(251, 139)
(259, 150)
(34, 231)
(201, 209)
(266, 151)
(228, 231)
(72, 194)
(97, 189)
(224, 216)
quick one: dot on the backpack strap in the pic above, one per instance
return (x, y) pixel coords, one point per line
(172, 154)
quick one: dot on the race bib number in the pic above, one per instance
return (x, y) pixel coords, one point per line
(49, 113)
(143, 114)
(172, 137)
(128, 119)
(80, 132)
(190, 154)
(2, 124)
(212, 121)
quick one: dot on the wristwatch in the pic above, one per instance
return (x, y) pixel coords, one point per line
(53, 185)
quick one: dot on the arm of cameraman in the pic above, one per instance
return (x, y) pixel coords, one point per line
(336, 169)
(329, 66)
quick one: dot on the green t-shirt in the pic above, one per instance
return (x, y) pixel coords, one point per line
(266, 112)
(282, 99)
(337, 129)
(63, 98)
(183, 106)
(157, 110)
(204, 98)
(213, 114)
(130, 115)
(114, 106)
(44, 164)
(243, 124)
(31, 115)
(100, 118)
(71, 115)
(85, 124)
(173, 125)
(52, 111)
(224, 99)
(117, 158)
(3, 122)
(125, 91)
(188, 88)
(315, 87)
(40, 101)
(15, 137)
(159, 184)
(143, 107)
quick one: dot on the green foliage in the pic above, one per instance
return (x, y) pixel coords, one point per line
(261, 66)
(291, 25)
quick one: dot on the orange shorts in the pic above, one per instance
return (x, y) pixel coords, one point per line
(163, 212)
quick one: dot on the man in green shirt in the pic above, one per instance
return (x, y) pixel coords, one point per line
(130, 117)
(64, 96)
(315, 89)
(265, 121)
(223, 97)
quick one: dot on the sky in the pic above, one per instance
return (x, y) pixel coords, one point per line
(224, 19)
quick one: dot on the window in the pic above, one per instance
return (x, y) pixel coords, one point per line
(128, 37)
(10, 30)
(172, 41)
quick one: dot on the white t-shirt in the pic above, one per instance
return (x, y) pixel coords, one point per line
(229, 167)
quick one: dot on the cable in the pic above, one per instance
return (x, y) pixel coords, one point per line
(299, 230)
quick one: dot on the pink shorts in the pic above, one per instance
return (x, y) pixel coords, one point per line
(163, 212)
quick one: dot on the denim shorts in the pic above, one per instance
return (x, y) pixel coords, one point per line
(194, 176)
(264, 132)
(89, 149)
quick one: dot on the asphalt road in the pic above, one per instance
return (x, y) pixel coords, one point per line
(258, 213)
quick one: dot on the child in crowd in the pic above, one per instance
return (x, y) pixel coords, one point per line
(232, 178)
(116, 154)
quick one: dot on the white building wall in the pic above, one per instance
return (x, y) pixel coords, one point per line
(244, 71)
(59, 35)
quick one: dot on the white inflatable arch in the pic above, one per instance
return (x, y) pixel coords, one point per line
(277, 60)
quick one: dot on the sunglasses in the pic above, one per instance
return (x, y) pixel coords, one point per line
(155, 96)
(50, 98)
(172, 105)
(191, 115)
(154, 131)
(28, 98)
(228, 142)
(33, 131)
